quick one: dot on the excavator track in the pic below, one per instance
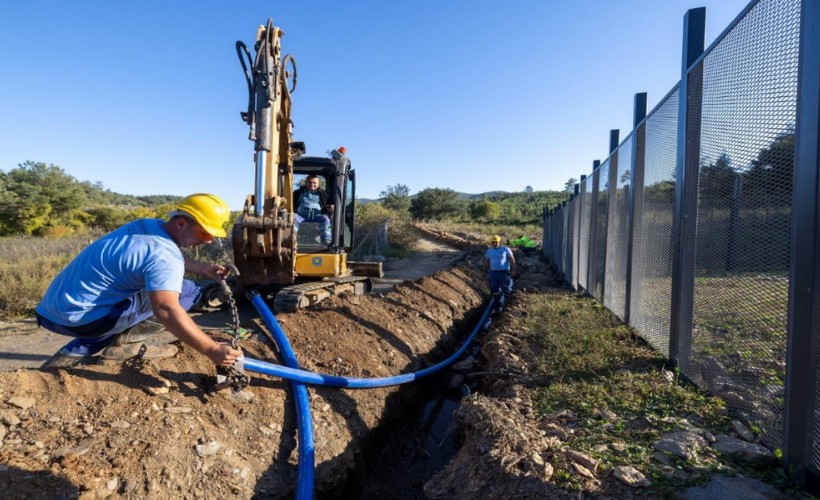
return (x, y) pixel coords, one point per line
(295, 297)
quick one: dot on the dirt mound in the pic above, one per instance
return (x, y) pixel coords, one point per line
(155, 430)
(504, 452)
(461, 241)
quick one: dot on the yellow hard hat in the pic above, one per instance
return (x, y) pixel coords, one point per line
(211, 212)
(495, 238)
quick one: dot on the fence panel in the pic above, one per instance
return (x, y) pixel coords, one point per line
(652, 248)
(576, 239)
(740, 296)
(566, 247)
(599, 241)
(617, 231)
(583, 235)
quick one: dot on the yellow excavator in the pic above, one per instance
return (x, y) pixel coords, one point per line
(300, 267)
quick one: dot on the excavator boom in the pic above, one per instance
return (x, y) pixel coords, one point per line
(263, 234)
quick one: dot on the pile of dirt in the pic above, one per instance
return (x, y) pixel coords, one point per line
(505, 452)
(155, 429)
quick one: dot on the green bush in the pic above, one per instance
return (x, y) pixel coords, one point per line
(401, 236)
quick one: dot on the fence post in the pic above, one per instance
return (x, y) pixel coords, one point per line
(683, 249)
(804, 275)
(635, 200)
(614, 134)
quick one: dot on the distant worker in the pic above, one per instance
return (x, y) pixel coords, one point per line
(106, 295)
(500, 263)
(312, 206)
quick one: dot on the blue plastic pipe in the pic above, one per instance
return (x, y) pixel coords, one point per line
(306, 377)
(304, 422)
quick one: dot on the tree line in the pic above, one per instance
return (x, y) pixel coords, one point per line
(41, 199)
(444, 204)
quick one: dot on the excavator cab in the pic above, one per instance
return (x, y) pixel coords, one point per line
(275, 248)
(324, 238)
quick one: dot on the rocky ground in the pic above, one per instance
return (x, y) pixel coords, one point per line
(156, 429)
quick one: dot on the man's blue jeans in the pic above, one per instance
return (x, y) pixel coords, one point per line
(500, 282)
(92, 337)
(314, 216)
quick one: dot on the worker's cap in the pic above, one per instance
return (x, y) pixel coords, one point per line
(495, 239)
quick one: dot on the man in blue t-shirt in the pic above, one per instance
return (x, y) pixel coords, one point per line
(312, 206)
(119, 281)
(500, 262)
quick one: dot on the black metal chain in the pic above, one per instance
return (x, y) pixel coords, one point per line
(235, 377)
(231, 304)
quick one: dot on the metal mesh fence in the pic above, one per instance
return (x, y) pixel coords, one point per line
(566, 243)
(616, 251)
(815, 442)
(746, 159)
(557, 232)
(583, 232)
(599, 241)
(731, 267)
(654, 224)
(576, 240)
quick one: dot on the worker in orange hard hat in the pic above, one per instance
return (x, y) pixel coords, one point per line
(105, 298)
(499, 262)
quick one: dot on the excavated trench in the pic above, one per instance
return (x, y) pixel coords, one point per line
(416, 435)
(417, 440)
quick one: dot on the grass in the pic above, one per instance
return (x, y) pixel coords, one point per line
(588, 362)
(27, 267)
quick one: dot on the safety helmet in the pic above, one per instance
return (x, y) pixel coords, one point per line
(495, 239)
(211, 212)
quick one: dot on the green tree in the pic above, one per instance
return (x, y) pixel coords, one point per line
(715, 183)
(109, 218)
(36, 197)
(436, 204)
(485, 209)
(569, 186)
(396, 198)
(768, 182)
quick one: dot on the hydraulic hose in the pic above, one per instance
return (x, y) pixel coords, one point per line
(304, 422)
(306, 377)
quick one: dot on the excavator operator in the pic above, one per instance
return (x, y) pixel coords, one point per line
(312, 206)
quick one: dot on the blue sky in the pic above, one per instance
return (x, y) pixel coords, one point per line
(469, 95)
